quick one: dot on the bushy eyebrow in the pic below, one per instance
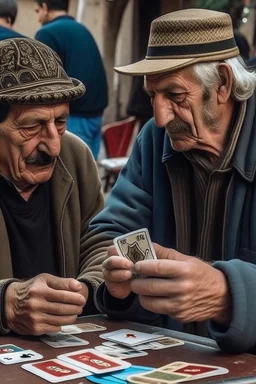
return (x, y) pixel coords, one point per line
(39, 118)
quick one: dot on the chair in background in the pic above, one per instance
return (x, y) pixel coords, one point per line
(118, 138)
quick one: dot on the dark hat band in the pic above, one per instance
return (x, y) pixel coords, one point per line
(192, 49)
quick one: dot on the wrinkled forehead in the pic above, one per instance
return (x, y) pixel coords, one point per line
(178, 77)
(17, 111)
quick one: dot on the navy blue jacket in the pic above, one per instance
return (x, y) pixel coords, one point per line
(142, 197)
(81, 59)
(7, 33)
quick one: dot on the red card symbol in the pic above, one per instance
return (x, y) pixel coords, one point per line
(93, 360)
(130, 336)
(54, 368)
(195, 370)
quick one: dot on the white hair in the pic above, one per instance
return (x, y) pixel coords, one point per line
(244, 79)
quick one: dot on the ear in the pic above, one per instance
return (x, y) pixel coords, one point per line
(225, 86)
(45, 7)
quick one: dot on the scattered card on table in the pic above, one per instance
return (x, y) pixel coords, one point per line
(141, 347)
(90, 327)
(55, 370)
(107, 334)
(70, 330)
(135, 246)
(166, 342)
(9, 348)
(58, 340)
(157, 376)
(94, 361)
(19, 357)
(126, 354)
(195, 371)
(133, 338)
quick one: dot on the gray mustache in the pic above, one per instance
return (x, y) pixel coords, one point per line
(41, 158)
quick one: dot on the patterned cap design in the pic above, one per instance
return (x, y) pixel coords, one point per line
(32, 73)
(184, 37)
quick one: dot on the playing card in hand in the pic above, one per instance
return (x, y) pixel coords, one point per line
(135, 246)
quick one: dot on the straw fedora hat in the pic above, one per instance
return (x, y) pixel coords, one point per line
(184, 37)
(32, 73)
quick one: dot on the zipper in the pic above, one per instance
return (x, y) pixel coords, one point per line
(61, 230)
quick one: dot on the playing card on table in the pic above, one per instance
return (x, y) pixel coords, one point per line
(94, 361)
(107, 334)
(70, 330)
(157, 376)
(9, 348)
(55, 370)
(166, 342)
(135, 246)
(193, 370)
(58, 340)
(132, 338)
(19, 357)
(90, 327)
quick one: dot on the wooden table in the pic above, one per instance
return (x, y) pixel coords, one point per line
(242, 367)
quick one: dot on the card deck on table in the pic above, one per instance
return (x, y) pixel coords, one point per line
(135, 246)
(19, 357)
(9, 348)
(117, 377)
(166, 342)
(94, 361)
(120, 353)
(90, 327)
(141, 347)
(132, 338)
(55, 370)
(58, 340)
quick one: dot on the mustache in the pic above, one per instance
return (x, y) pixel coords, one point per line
(177, 127)
(41, 158)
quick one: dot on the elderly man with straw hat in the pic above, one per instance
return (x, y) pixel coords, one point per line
(191, 181)
(49, 191)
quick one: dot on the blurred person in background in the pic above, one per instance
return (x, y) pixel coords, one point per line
(81, 59)
(8, 13)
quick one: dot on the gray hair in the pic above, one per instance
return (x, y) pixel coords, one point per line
(244, 80)
(8, 10)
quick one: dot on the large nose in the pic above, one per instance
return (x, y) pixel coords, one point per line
(50, 140)
(163, 111)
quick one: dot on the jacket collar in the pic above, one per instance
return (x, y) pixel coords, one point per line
(63, 17)
(244, 159)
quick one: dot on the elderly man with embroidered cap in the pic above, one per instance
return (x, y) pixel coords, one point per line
(191, 181)
(49, 191)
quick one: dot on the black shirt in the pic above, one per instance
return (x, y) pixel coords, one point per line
(29, 228)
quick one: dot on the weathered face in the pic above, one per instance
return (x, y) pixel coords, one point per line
(189, 116)
(30, 141)
(42, 12)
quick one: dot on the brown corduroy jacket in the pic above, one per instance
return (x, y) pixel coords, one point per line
(76, 198)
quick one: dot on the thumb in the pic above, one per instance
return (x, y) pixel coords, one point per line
(63, 284)
(169, 253)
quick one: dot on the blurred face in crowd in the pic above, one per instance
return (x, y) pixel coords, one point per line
(30, 141)
(42, 12)
(191, 116)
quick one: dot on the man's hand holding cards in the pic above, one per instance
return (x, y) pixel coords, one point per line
(118, 271)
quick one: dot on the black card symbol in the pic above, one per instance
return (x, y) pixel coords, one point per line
(7, 358)
(26, 355)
